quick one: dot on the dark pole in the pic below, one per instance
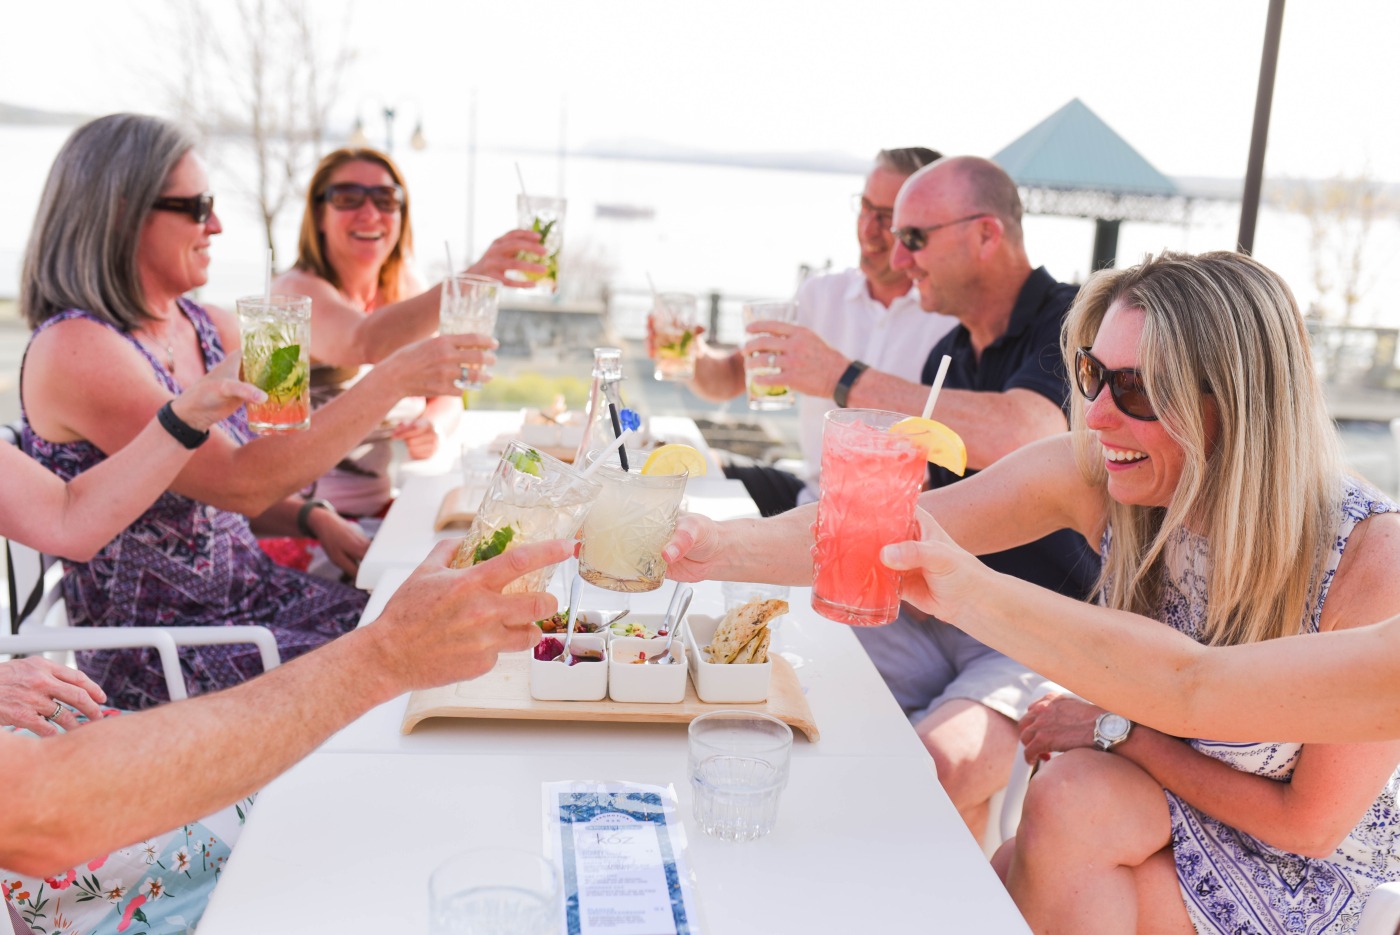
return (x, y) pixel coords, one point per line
(389, 115)
(1263, 105)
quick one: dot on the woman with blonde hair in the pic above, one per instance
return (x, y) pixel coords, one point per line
(353, 259)
(1203, 463)
(122, 233)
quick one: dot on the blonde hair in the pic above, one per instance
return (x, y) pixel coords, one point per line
(82, 249)
(311, 246)
(1266, 490)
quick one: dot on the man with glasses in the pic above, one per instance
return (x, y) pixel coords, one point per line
(957, 226)
(871, 312)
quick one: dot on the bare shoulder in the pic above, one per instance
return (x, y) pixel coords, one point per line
(1365, 588)
(226, 323)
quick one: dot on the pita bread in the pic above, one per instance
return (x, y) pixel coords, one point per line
(741, 627)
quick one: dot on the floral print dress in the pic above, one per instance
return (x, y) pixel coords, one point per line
(1233, 883)
(184, 563)
(159, 886)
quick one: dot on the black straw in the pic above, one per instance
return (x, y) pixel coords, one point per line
(617, 430)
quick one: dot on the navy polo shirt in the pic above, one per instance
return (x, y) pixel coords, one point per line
(1026, 357)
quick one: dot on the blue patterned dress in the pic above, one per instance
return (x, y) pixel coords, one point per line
(185, 563)
(1233, 883)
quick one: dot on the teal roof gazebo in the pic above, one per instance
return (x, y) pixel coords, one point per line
(1072, 164)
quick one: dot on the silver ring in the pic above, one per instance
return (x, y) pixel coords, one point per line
(57, 710)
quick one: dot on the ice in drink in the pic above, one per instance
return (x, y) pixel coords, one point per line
(276, 336)
(629, 525)
(675, 322)
(532, 497)
(870, 483)
(469, 305)
(544, 216)
(762, 397)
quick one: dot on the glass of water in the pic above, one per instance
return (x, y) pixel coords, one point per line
(495, 891)
(766, 397)
(469, 305)
(738, 769)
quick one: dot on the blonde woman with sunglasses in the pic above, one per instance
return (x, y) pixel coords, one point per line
(1204, 466)
(353, 258)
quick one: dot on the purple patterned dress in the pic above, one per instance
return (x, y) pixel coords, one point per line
(1232, 882)
(186, 563)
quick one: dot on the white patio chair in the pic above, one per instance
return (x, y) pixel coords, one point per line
(39, 619)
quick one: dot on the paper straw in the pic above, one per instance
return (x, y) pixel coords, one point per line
(521, 176)
(654, 294)
(937, 385)
(451, 272)
(617, 430)
(267, 279)
(603, 455)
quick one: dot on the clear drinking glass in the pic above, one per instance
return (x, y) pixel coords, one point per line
(544, 216)
(629, 525)
(276, 335)
(469, 306)
(495, 891)
(738, 769)
(767, 398)
(867, 502)
(532, 497)
(675, 318)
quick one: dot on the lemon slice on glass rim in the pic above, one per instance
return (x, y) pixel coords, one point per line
(675, 459)
(945, 447)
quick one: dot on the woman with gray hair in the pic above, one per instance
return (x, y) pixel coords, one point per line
(122, 233)
(1203, 463)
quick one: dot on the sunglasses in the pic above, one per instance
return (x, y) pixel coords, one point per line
(349, 196)
(1125, 386)
(198, 207)
(916, 238)
(865, 208)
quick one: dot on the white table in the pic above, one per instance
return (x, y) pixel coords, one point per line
(866, 838)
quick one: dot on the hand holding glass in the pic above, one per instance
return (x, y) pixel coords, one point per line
(764, 398)
(544, 216)
(469, 305)
(276, 335)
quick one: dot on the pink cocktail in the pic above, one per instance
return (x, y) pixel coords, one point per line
(870, 483)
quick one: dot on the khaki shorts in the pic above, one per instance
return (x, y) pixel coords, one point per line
(926, 663)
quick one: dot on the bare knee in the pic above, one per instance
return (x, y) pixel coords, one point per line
(1062, 793)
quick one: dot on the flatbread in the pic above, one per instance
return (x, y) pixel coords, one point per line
(740, 627)
(755, 650)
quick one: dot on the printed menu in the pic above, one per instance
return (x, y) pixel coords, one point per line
(621, 849)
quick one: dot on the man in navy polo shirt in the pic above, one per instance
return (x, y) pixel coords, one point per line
(958, 230)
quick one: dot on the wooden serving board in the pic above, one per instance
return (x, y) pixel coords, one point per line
(504, 692)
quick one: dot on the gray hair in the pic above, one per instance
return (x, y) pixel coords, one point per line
(82, 250)
(906, 161)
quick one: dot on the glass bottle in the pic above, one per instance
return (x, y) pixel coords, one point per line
(605, 392)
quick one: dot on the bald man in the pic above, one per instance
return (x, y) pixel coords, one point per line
(957, 227)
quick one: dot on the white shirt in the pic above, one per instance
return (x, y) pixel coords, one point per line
(897, 340)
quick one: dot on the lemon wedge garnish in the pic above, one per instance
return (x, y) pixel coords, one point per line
(675, 459)
(945, 447)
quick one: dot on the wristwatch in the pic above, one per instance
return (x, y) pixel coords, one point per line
(1110, 730)
(848, 380)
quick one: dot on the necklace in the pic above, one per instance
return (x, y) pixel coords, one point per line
(165, 343)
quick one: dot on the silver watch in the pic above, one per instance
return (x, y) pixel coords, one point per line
(1110, 730)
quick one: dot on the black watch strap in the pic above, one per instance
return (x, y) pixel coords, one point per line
(848, 380)
(304, 514)
(179, 429)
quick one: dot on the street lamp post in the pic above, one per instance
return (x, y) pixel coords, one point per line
(417, 141)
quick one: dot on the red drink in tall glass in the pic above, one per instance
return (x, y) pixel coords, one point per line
(870, 484)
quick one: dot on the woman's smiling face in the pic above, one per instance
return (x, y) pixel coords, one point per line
(364, 236)
(1143, 461)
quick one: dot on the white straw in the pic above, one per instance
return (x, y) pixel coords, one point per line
(267, 279)
(521, 176)
(602, 456)
(937, 385)
(654, 294)
(451, 272)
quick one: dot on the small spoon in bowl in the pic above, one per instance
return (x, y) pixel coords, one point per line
(574, 590)
(675, 614)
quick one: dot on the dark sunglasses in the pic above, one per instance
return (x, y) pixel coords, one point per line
(349, 196)
(864, 208)
(198, 207)
(1125, 386)
(916, 238)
